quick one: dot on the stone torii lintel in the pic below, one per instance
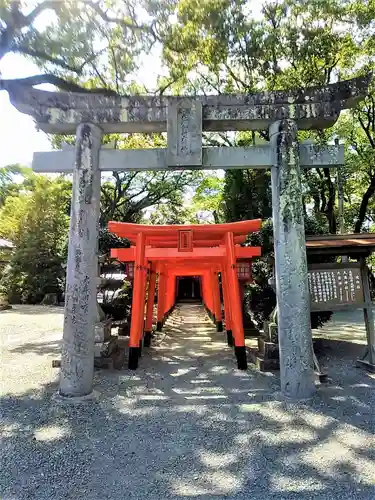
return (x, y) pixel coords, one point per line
(62, 112)
(212, 158)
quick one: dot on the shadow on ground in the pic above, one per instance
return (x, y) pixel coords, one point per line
(33, 310)
(40, 348)
(188, 425)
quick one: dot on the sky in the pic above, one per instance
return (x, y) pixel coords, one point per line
(18, 135)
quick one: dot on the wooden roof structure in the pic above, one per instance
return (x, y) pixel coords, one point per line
(204, 235)
(356, 245)
(207, 241)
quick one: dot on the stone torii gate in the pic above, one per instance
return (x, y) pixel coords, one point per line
(282, 113)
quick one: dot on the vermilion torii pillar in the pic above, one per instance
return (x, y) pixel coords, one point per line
(150, 306)
(185, 119)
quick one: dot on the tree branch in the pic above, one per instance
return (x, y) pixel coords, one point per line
(98, 74)
(368, 195)
(236, 78)
(19, 21)
(47, 4)
(60, 83)
(46, 57)
(210, 83)
(121, 21)
(116, 68)
(366, 129)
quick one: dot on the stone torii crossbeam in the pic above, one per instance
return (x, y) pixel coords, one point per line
(282, 113)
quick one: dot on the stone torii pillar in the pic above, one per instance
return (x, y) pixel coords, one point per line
(77, 367)
(295, 341)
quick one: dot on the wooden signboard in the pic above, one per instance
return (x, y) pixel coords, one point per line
(336, 286)
(185, 241)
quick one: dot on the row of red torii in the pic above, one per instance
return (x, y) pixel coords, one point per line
(169, 252)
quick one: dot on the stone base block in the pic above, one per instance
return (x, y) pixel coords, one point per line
(118, 358)
(103, 331)
(268, 350)
(251, 332)
(266, 365)
(124, 330)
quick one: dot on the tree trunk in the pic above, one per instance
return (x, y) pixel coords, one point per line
(364, 204)
(330, 208)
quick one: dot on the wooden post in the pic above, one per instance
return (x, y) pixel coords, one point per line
(369, 320)
(204, 290)
(150, 307)
(169, 294)
(217, 302)
(227, 306)
(137, 303)
(234, 297)
(208, 285)
(212, 296)
(161, 300)
(144, 276)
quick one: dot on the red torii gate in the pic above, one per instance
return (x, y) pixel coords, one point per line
(192, 250)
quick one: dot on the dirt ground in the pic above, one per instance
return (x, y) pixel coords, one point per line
(186, 425)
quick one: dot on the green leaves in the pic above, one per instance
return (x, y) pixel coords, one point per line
(36, 219)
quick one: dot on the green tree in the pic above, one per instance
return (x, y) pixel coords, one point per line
(96, 46)
(126, 197)
(222, 46)
(167, 214)
(208, 197)
(76, 41)
(36, 221)
(9, 177)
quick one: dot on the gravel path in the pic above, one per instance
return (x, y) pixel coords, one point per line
(186, 425)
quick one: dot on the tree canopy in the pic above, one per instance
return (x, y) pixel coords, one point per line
(92, 42)
(36, 220)
(221, 46)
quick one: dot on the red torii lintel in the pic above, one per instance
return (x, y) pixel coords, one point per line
(130, 231)
(173, 254)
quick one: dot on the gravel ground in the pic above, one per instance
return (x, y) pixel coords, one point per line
(185, 425)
